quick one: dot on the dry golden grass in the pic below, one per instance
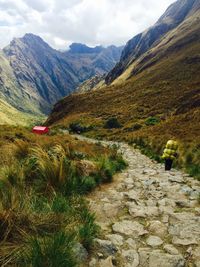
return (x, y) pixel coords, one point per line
(42, 211)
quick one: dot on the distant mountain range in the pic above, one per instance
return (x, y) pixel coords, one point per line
(33, 76)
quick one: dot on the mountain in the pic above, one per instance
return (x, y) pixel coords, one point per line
(88, 62)
(78, 48)
(33, 76)
(141, 43)
(90, 84)
(155, 96)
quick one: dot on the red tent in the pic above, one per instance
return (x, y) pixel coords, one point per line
(40, 130)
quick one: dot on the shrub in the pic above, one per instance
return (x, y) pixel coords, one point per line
(112, 123)
(120, 163)
(194, 170)
(76, 127)
(88, 184)
(152, 121)
(52, 251)
(50, 168)
(108, 166)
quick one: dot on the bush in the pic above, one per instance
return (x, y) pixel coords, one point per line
(49, 251)
(108, 166)
(152, 121)
(76, 127)
(194, 170)
(49, 168)
(88, 184)
(112, 123)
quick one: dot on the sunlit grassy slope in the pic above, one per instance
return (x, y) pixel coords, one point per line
(164, 83)
(10, 115)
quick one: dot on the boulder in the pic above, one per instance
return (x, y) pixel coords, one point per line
(129, 228)
(131, 258)
(154, 241)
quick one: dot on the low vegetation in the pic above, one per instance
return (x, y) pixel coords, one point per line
(43, 180)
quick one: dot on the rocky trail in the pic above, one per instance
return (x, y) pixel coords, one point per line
(148, 217)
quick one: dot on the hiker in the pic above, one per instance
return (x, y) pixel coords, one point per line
(170, 154)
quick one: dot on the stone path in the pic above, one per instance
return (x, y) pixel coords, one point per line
(149, 217)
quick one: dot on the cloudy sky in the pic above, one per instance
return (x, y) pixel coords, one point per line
(93, 22)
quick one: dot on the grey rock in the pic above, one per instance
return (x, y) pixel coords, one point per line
(132, 195)
(106, 247)
(143, 212)
(131, 257)
(128, 181)
(186, 189)
(80, 252)
(184, 241)
(144, 254)
(93, 263)
(165, 218)
(171, 249)
(106, 263)
(157, 259)
(185, 228)
(154, 241)
(194, 195)
(117, 240)
(158, 228)
(131, 243)
(176, 179)
(111, 209)
(129, 228)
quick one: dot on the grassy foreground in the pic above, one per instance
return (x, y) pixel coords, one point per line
(44, 217)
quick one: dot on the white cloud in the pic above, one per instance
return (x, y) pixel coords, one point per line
(93, 22)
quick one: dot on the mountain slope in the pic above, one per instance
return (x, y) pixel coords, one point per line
(33, 76)
(141, 43)
(156, 98)
(10, 115)
(88, 62)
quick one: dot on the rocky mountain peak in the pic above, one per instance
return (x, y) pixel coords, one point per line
(177, 12)
(84, 49)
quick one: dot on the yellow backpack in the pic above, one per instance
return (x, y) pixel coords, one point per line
(170, 150)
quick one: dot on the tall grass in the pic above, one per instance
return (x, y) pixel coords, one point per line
(51, 251)
(41, 198)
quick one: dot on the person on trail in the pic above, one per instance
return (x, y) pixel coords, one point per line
(170, 153)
